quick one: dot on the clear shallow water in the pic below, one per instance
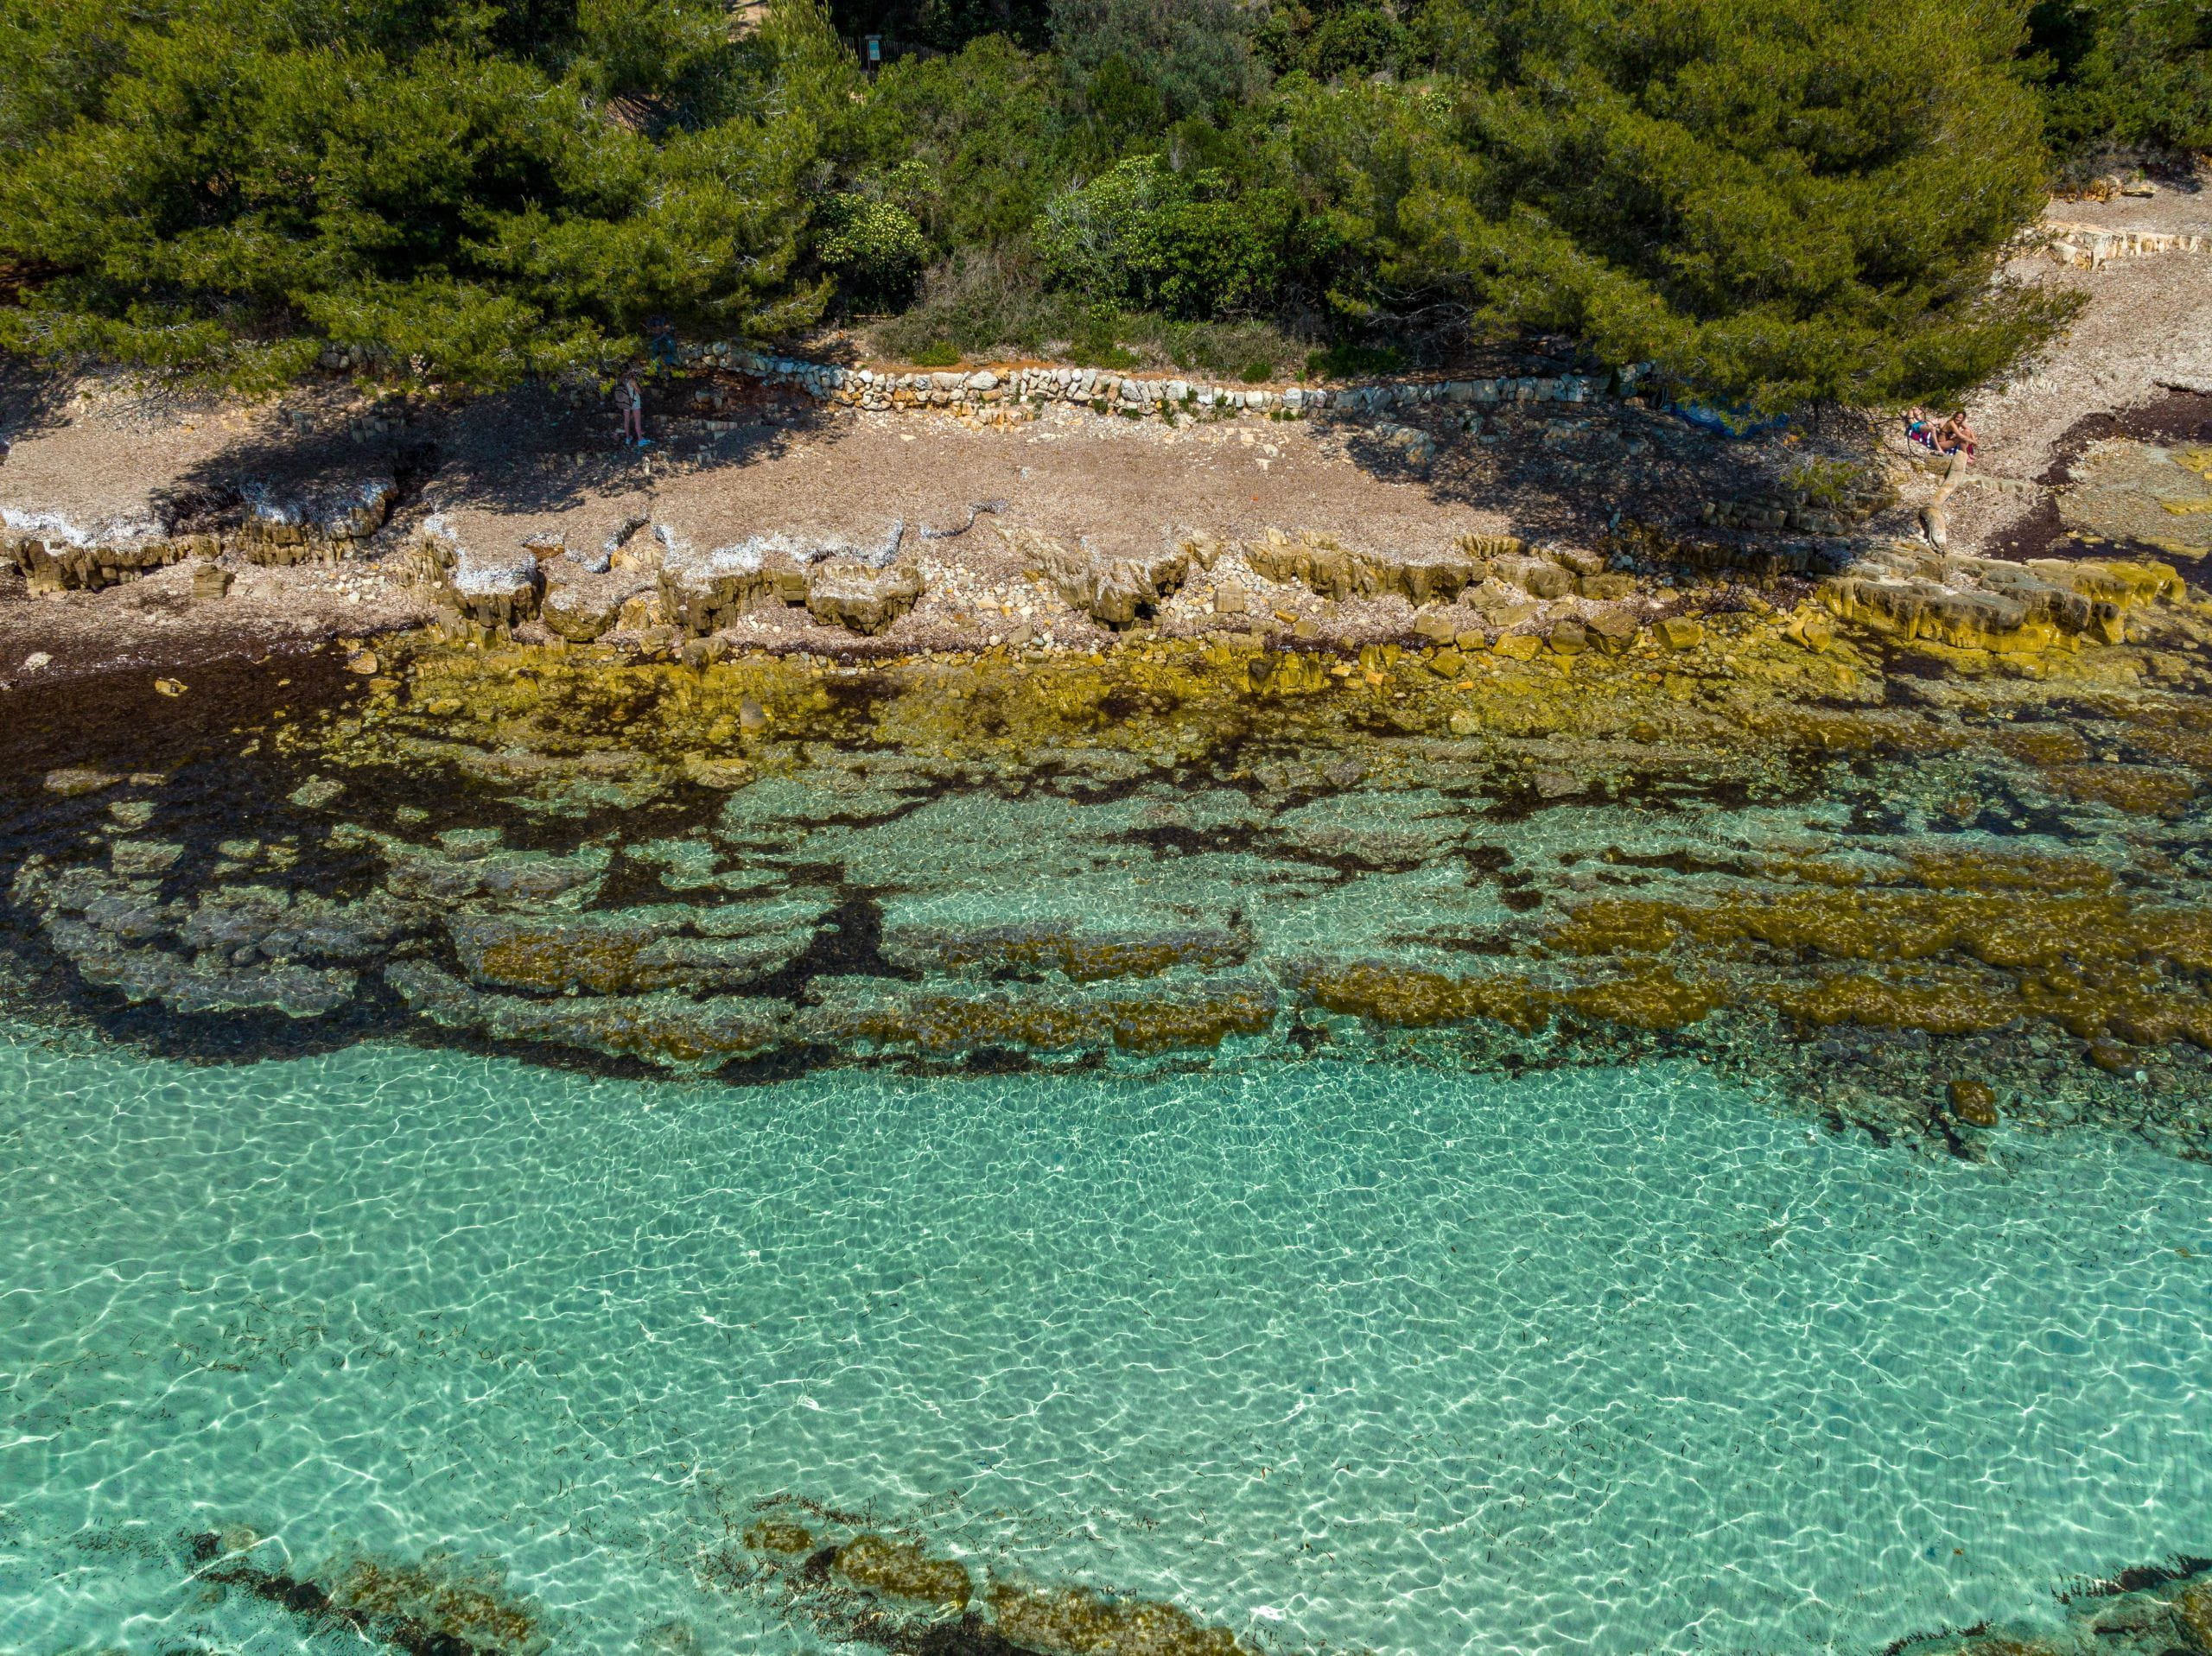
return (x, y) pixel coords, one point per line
(1412, 1361)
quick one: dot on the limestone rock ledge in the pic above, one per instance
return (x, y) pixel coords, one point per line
(265, 521)
(1116, 589)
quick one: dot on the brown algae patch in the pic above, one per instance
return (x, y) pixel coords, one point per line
(943, 1023)
(437, 1605)
(893, 1592)
(900, 1569)
(1076, 1622)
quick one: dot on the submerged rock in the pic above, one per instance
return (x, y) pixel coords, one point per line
(670, 1030)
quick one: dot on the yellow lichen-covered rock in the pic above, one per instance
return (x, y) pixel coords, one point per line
(1289, 672)
(1404, 998)
(1656, 999)
(901, 1570)
(1975, 869)
(2041, 744)
(1081, 956)
(723, 775)
(2008, 931)
(670, 1030)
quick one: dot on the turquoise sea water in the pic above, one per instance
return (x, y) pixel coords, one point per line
(1341, 1356)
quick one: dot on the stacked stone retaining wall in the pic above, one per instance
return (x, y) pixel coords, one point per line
(1109, 390)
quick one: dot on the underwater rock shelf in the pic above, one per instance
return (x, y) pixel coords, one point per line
(1848, 840)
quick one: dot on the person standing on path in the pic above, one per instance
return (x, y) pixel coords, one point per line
(630, 403)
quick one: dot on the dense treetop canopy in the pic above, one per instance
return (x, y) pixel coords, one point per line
(1772, 200)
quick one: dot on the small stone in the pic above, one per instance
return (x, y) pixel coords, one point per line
(1556, 784)
(725, 776)
(1518, 646)
(1679, 632)
(316, 792)
(170, 687)
(1463, 723)
(1229, 600)
(1569, 636)
(1617, 624)
(1974, 1102)
(1472, 639)
(36, 660)
(443, 706)
(1448, 664)
(140, 857)
(210, 583)
(751, 716)
(1436, 626)
(363, 662)
(2111, 1057)
(74, 780)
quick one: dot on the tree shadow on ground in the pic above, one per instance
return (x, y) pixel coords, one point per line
(32, 397)
(534, 449)
(1580, 472)
(537, 450)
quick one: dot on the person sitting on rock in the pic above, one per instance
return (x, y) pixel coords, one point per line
(630, 401)
(1955, 436)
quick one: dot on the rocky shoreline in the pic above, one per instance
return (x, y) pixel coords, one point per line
(1816, 844)
(1508, 721)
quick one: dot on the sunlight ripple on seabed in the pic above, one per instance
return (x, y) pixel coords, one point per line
(1335, 1357)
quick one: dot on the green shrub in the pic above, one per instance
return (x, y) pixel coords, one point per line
(940, 354)
(1191, 56)
(1181, 241)
(874, 250)
(2125, 73)
(1355, 41)
(972, 145)
(448, 185)
(1351, 361)
(1776, 201)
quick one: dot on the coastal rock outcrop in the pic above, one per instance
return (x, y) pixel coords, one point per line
(55, 557)
(1115, 588)
(846, 593)
(491, 588)
(311, 521)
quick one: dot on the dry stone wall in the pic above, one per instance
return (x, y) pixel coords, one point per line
(1011, 389)
(2087, 247)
